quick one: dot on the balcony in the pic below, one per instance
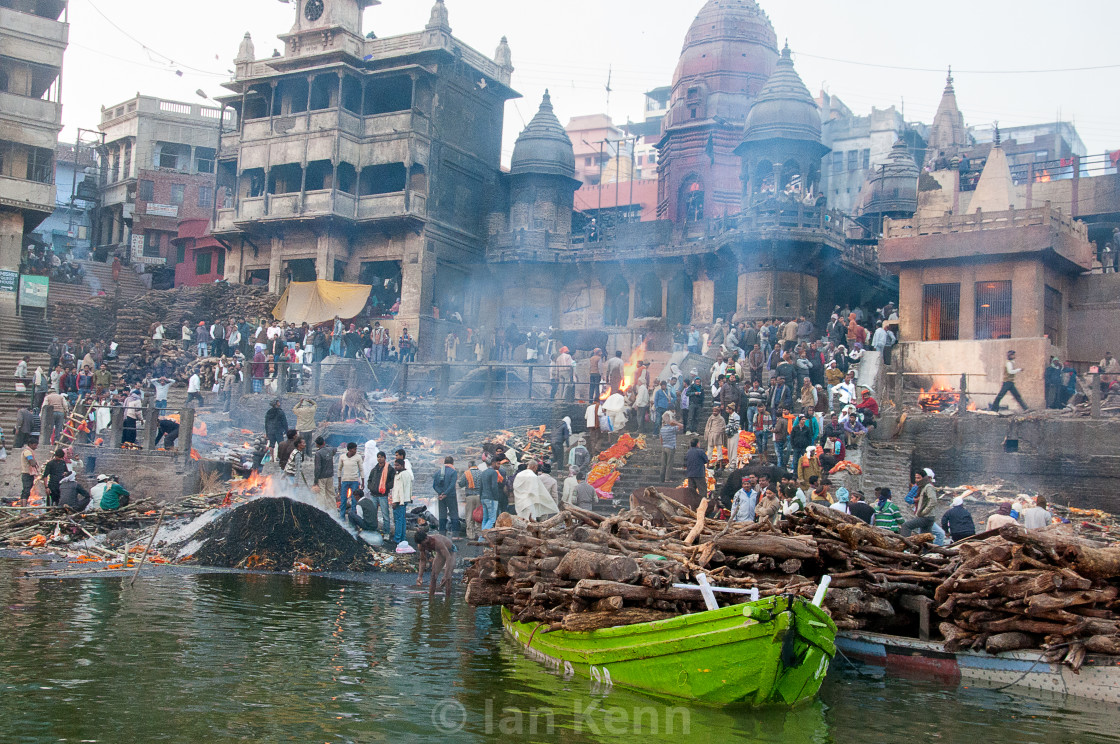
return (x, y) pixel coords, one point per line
(34, 39)
(325, 120)
(32, 111)
(31, 195)
(389, 206)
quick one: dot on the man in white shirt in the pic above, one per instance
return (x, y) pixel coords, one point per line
(401, 498)
(194, 389)
(161, 386)
(21, 369)
(186, 336)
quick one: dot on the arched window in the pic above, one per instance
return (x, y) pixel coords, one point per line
(692, 200)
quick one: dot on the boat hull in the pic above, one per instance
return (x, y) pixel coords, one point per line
(1099, 678)
(773, 651)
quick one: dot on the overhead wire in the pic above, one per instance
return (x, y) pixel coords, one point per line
(170, 60)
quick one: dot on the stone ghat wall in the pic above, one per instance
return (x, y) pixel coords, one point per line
(440, 418)
(1075, 457)
(160, 476)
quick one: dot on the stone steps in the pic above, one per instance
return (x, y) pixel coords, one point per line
(99, 277)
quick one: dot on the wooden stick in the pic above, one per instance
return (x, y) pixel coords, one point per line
(144, 557)
(701, 511)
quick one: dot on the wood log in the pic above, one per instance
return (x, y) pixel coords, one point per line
(1000, 642)
(484, 593)
(582, 622)
(596, 589)
(773, 546)
(700, 519)
(1039, 604)
(1089, 560)
(852, 602)
(584, 564)
(607, 604)
(1103, 644)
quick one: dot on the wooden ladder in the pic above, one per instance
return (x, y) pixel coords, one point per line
(78, 416)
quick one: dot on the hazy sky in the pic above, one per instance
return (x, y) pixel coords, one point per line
(569, 47)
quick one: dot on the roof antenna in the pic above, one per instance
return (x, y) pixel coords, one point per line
(996, 138)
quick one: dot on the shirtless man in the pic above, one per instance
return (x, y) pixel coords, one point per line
(442, 558)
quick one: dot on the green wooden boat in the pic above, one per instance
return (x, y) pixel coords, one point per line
(772, 651)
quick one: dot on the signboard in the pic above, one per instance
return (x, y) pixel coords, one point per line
(161, 210)
(9, 280)
(33, 290)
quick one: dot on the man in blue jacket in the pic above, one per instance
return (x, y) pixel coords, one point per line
(444, 484)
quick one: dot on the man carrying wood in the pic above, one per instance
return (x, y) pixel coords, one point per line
(442, 558)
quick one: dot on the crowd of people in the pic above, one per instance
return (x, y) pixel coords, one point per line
(46, 262)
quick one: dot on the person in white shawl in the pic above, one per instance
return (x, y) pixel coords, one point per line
(369, 460)
(530, 497)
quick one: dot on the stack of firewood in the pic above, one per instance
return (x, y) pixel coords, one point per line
(1033, 588)
(1015, 589)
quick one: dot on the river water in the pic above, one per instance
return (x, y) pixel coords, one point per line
(234, 657)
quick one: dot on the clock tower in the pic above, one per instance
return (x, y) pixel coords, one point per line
(324, 19)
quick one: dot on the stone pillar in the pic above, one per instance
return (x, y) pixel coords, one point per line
(742, 296)
(151, 427)
(665, 301)
(186, 432)
(703, 300)
(46, 426)
(11, 248)
(116, 427)
(316, 377)
(323, 265)
(274, 265)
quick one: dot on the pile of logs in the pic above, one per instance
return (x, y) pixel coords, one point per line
(205, 303)
(1019, 589)
(580, 571)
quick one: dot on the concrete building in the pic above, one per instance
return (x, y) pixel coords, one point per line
(165, 199)
(974, 286)
(169, 140)
(369, 160)
(33, 39)
(68, 227)
(860, 145)
(598, 144)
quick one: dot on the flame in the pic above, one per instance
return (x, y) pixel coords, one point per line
(199, 428)
(972, 405)
(630, 370)
(1043, 177)
(937, 399)
(255, 481)
(195, 455)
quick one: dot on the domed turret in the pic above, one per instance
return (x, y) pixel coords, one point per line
(781, 150)
(544, 148)
(894, 185)
(784, 108)
(728, 54)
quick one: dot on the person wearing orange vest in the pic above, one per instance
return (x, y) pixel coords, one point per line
(468, 481)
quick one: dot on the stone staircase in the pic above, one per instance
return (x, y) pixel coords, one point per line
(22, 335)
(99, 277)
(886, 463)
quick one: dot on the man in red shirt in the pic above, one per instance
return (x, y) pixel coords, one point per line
(868, 409)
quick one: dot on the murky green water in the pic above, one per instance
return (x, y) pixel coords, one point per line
(215, 658)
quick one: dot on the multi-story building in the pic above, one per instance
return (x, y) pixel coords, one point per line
(860, 146)
(171, 140)
(370, 160)
(33, 38)
(165, 199)
(598, 145)
(68, 227)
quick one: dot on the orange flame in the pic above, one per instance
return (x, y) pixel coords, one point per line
(1043, 177)
(254, 481)
(195, 455)
(630, 370)
(972, 405)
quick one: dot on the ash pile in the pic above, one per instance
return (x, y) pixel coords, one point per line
(280, 534)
